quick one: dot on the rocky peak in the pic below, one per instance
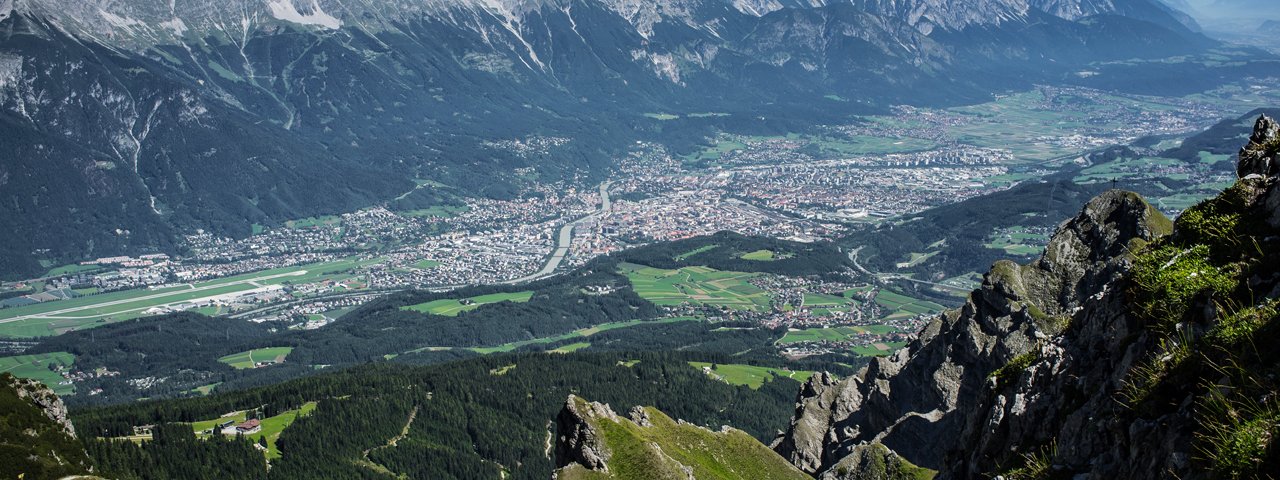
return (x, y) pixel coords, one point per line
(579, 439)
(1123, 352)
(43, 398)
(910, 401)
(1260, 156)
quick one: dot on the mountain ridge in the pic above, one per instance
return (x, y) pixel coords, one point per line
(1107, 357)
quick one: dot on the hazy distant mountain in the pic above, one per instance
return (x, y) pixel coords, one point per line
(127, 122)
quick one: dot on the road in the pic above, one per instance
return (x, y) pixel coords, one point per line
(565, 239)
(60, 314)
(884, 278)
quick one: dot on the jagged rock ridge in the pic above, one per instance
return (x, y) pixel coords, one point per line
(1096, 360)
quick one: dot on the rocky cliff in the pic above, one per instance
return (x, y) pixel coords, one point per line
(594, 442)
(1133, 348)
(36, 438)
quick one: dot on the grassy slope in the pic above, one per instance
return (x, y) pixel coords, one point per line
(730, 454)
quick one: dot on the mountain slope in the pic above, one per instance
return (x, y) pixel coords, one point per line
(126, 124)
(595, 443)
(1121, 353)
(36, 439)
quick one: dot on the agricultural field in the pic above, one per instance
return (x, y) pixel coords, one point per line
(749, 375)
(572, 347)
(1018, 241)
(72, 269)
(582, 333)
(271, 426)
(36, 367)
(834, 334)
(902, 306)
(58, 317)
(452, 307)
(697, 286)
(251, 358)
(822, 300)
(883, 349)
(681, 257)
(441, 211)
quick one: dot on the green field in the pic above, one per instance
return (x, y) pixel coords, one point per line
(749, 375)
(72, 268)
(696, 286)
(452, 307)
(36, 367)
(874, 351)
(834, 334)
(250, 358)
(759, 256)
(904, 306)
(1018, 241)
(271, 426)
(93, 310)
(821, 300)
(442, 211)
(426, 264)
(582, 333)
(321, 221)
(681, 257)
(572, 347)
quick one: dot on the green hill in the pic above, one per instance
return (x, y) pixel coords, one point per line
(595, 443)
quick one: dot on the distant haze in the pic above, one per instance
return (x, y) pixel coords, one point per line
(1229, 9)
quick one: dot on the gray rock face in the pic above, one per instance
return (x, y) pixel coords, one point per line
(578, 440)
(1259, 157)
(1036, 362)
(45, 399)
(918, 400)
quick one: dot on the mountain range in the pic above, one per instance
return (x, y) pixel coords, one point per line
(127, 124)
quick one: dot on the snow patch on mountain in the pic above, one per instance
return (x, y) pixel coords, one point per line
(285, 10)
(6, 9)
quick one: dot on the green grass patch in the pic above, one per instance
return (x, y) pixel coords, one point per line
(442, 211)
(749, 375)
(879, 349)
(572, 347)
(251, 358)
(683, 256)
(271, 426)
(760, 256)
(426, 264)
(453, 307)
(581, 333)
(72, 269)
(37, 367)
(697, 286)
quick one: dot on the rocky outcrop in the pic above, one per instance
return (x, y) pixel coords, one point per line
(1259, 157)
(580, 441)
(44, 399)
(595, 443)
(1108, 357)
(907, 401)
(36, 439)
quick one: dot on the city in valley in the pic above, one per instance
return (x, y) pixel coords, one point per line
(811, 187)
